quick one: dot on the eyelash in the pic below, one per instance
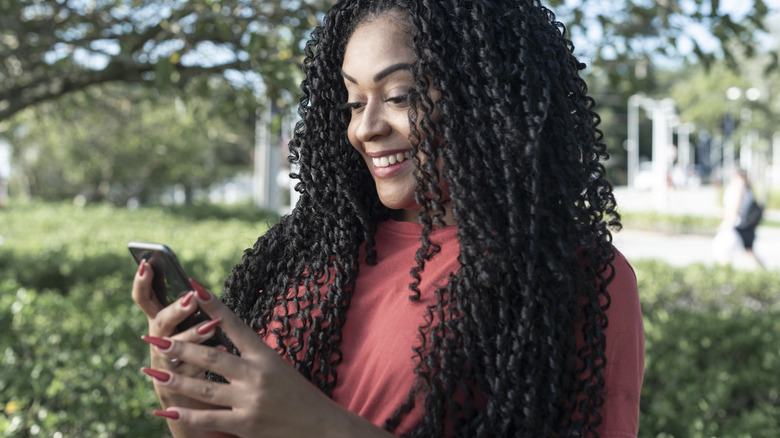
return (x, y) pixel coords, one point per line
(357, 105)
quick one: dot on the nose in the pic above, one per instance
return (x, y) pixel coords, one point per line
(373, 122)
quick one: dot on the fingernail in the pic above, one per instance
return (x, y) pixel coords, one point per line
(162, 344)
(208, 326)
(187, 298)
(203, 294)
(171, 415)
(141, 268)
(221, 348)
(159, 375)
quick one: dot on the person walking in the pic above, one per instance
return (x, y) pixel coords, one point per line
(741, 216)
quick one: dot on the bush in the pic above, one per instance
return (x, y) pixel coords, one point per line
(712, 352)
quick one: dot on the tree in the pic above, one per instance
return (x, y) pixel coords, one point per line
(50, 48)
(624, 38)
(121, 141)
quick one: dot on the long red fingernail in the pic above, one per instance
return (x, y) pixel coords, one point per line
(171, 415)
(161, 376)
(208, 326)
(141, 268)
(162, 344)
(203, 294)
(187, 298)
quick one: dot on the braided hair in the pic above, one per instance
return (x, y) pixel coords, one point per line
(522, 154)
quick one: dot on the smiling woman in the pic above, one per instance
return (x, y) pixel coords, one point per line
(448, 270)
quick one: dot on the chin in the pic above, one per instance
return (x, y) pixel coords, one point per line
(395, 204)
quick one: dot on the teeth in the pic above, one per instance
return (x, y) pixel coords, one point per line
(389, 160)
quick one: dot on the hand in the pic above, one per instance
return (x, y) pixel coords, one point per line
(162, 329)
(265, 396)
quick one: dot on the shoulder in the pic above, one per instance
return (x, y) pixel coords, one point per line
(625, 353)
(623, 285)
(624, 313)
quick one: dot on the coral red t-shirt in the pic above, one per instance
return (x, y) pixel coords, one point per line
(377, 369)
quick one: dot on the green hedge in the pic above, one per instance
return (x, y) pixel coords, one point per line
(69, 331)
(712, 352)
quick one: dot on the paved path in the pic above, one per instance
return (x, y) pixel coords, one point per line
(684, 249)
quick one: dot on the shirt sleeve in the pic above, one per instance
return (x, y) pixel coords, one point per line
(625, 355)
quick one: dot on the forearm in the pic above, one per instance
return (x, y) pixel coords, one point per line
(351, 425)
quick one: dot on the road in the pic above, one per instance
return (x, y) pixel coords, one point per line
(684, 249)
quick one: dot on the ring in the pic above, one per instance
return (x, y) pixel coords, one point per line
(171, 359)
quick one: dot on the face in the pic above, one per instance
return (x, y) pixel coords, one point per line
(377, 75)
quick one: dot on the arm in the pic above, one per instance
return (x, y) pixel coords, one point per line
(732, 199)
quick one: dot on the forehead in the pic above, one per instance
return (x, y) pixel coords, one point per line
(378, 42)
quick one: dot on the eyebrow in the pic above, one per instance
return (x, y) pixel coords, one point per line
(382, 74)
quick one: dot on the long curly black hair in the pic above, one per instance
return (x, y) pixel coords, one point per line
(518, 137)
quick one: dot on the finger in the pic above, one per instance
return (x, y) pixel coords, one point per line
(215, 359)
(208, 392)
(143, 294)
(219, 420)
(167, 318)
(239, 333)
(200, 332)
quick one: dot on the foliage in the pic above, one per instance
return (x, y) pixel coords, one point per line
(626, 37)
(701, 96)
(69, 329)
(712, 337)
(52, 48)
(116, 142)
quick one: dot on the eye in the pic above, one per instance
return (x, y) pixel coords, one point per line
(401, 101)
(353, 106)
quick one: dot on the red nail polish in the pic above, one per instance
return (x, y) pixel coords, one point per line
(161, 376)
(171, 415)
(141, 268)
(208, 326)
(162, 344)
(203, 294)
(187, 298)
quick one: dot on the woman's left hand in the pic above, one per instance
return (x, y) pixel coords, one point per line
(264, 396)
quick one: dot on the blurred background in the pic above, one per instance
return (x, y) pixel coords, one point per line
(167, 121)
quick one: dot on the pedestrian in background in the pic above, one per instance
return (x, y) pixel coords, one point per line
(741, 216)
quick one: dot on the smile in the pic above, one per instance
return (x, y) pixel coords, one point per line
(389, 160)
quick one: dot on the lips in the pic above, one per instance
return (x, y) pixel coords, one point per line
(389, 160)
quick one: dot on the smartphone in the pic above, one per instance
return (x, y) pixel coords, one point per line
(170, 282)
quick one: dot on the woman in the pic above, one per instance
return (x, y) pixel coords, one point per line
(737, 226)
(448, 269)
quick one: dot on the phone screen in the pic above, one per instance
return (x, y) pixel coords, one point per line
(170, 282)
